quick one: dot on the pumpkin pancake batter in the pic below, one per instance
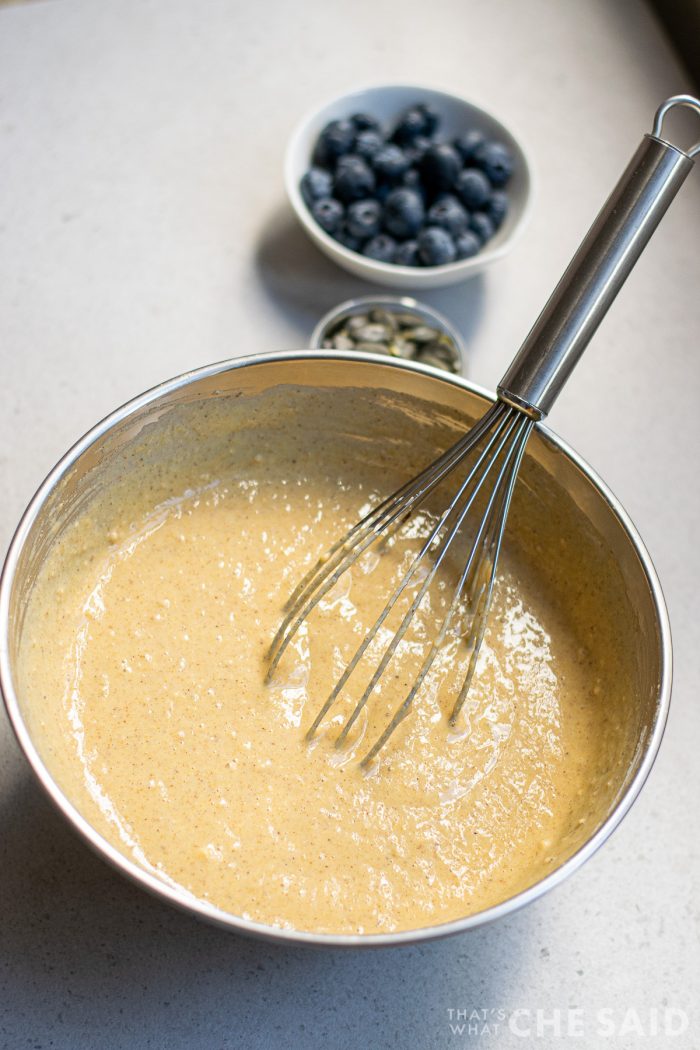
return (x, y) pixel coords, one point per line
(145, 665)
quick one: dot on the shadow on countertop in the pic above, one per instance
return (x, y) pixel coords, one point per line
(90, 961)
(300, 281)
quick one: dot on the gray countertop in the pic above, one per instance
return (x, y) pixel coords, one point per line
(143, 232)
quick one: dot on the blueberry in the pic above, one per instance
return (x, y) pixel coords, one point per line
(410, 125)
(389, 163)
(335, 140)
(328, 213)
(316, 183)
(497, 207)
(382, 248)
(344, 237)
(431, 117)
(467, 143)
(404, 212)
(482, 226)
(353, 179)
(368, 143)
(435, 246)
(348, 160)
(496, 161)
(439, 167)
(467, 245)
(407, 254)
(448, 213)
(472, 187)
(364, 219)
(412, 180)
(417, 148)
(363, 122)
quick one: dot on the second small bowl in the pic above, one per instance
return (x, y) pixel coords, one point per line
(397, 305)
(386, 102)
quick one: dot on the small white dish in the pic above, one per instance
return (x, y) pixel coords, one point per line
(386, 102)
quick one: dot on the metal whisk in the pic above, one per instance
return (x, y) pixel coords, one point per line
(492, 450)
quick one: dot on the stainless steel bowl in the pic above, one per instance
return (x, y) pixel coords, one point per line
(555, 480)
(395, 304)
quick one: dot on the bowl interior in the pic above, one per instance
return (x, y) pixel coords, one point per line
(555, 497)
(386, 103)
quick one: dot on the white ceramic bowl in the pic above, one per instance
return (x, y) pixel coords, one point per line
(386, 102)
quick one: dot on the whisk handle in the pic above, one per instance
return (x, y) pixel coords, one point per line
(598, 269)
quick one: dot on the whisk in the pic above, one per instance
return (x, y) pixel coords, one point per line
(491, 451)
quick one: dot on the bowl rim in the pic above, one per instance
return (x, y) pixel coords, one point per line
(178, 895)
(415, 276)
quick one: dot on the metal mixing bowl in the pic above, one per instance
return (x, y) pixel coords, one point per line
(555, 484)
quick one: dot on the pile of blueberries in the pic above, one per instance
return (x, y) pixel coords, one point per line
(407, 198)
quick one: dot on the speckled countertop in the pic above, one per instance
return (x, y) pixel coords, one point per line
(144, 231)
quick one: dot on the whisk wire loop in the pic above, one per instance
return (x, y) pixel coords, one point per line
(484, 550)
(493, 449)
(471, 484)
(391, 512)
(498, 523)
